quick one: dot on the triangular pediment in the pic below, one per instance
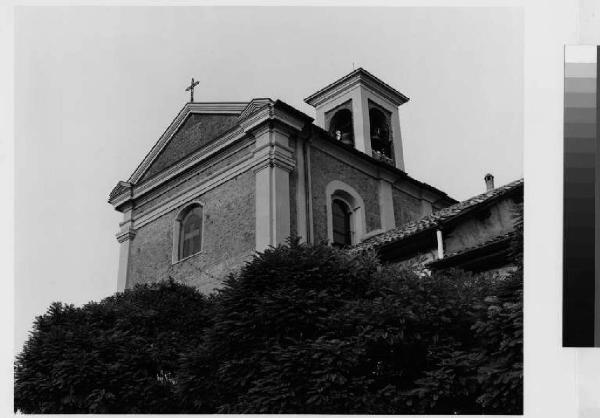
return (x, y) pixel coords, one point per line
(196, 131)
(197, 125)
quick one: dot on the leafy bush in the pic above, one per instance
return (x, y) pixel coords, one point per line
(310, 329)
(300, 329)
(118, 355)
(279, 301)
(484, 375)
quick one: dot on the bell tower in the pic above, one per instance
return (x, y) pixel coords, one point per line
(361, 111)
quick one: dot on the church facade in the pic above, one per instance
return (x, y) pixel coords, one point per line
(228, 179)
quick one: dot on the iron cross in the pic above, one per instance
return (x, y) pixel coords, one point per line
(191, 89)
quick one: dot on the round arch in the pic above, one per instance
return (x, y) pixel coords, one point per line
(177, 226)
(341, 126)
(337, 189)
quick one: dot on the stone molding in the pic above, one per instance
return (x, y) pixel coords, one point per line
(192, 192)
(127, 235)
(357, 77)
(279, 156)
(254, 105)
(271, 116)
(273, 154)
(197, 157)
(145, 197)
(273, 111)
(189, 108)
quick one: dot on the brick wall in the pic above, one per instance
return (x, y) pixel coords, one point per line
(199, 174)
(406, 207)
(228, 239)
(324, 169)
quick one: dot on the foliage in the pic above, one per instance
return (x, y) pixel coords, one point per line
(310, 329)
(300, 329)
(118, 355)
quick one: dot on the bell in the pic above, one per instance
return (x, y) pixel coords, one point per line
(347, 138)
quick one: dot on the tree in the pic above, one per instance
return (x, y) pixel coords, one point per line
(116, 356)
(312, 329)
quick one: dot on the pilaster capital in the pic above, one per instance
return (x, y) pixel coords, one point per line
(273, 156)
(127, 234)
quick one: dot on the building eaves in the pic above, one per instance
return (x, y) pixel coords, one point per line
(500, 242)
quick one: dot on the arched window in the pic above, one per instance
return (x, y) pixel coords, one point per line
(345, 214)
(341, 223)
(188, 232)
(380, 133)
(341, 126)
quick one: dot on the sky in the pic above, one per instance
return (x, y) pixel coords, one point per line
(95, 87)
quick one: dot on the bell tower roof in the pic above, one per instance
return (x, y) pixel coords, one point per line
(358, 76)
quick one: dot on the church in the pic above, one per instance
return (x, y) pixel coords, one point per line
(227, 179)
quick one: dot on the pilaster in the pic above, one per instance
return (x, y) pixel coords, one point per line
(360, 120)
(397, 137)
(273, 160)
(301, 198)
(386, 205)
(125, 235)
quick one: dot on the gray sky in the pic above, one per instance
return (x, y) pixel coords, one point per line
(96, 87)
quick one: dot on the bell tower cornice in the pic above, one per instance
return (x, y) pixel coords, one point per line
(360, 76)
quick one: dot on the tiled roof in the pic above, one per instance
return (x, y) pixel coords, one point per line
(436, 218)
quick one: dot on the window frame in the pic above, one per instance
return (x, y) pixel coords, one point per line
(350, 214)
(178, 231)
(337, 189)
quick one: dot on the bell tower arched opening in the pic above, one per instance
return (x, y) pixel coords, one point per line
(381, 139)
(341, 126)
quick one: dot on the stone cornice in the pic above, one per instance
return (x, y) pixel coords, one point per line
(120, 194)
(356, 77)
(217, 107)
(256, 115)
(254, 105)
(275, 111)
(156, 192)
(197, 157)
(273, 156)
